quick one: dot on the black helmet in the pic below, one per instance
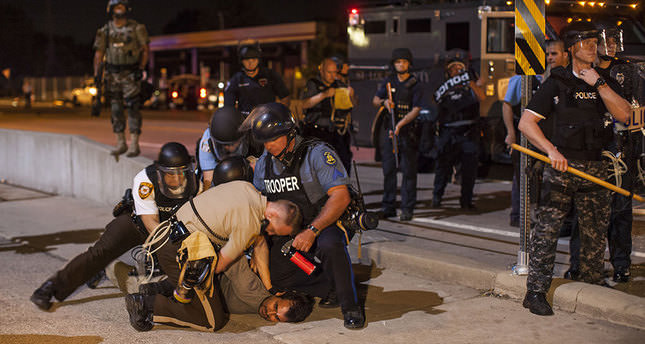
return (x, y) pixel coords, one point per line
(271, 121)
(112, 3)
(250, 52)
(401, 53)
(232, 168)
(175, 172)
(226, 138)
(578, 31)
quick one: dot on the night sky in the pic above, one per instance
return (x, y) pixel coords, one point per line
(81, 18)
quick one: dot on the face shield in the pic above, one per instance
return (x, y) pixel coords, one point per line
(224, 150)
(177, 182)
(585, 40)
(610, 42)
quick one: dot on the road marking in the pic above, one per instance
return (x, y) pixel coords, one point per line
(493, 231)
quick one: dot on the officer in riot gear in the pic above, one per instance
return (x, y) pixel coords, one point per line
(576, 100)
(327, 104)
(407, 101)
(122, 47)
(458, 100)
(158, 190)
(308, 173)
(223, 138)
(254, 84)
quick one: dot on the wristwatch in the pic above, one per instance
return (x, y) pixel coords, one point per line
(314, 229)
(601, 81)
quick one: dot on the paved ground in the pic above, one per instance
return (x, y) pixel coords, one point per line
(40, 232)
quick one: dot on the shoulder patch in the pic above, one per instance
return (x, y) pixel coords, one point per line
(329, 159)
(205, 147)
(145, 189)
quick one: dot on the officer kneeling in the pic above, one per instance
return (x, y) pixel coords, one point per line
(576, 100)
(308, 173)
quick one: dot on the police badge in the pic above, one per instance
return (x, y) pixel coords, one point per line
(263, 82)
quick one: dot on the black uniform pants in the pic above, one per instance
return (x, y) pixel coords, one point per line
(340, 143)
(120, 235)
(330, 248)
(458, 145)
(408, 155)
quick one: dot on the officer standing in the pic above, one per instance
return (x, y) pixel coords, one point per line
(576, 99)
(307, 172)
(223, 139)
(458, 102)
(254, 84)
(122, 44)
(158, 189)
(407, 101)
(327, 104)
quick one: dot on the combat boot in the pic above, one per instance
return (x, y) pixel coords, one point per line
(621, 275)
(121, 147)
(43, 295)
(330, 301)
(537, 303)
(134, 146)
(140, 310)
(354, 319)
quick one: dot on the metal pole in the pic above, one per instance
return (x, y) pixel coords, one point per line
(522, 266)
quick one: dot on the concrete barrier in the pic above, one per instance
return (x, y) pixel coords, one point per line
(66, 165)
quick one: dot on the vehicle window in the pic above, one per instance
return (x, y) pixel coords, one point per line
(457, 36)
(500, 33)
(418, 25)
(374, 26)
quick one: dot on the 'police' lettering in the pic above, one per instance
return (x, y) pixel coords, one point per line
(280, 185)
(586, 95)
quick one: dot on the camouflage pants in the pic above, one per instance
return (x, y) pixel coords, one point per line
(561, 191)
(123, 91)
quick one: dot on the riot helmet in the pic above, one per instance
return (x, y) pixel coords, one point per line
(578, 32)
(232, 168)
(248, 52)
(610, 41)
(401, 54)
(226, 138)
(175, 171)
(270, 121)
(112, 3)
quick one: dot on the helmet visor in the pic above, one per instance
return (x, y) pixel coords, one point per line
(177, 182)
(224, 150)
(610, 42)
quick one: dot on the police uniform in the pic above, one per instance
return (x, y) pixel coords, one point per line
(248, 92)
(123, 47)
(327, 123)
(406, 94)
(458, 136)
(575, 113)
(120, 235)
(315, 169)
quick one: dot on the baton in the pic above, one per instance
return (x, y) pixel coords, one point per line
(580, 173)
(395, 140)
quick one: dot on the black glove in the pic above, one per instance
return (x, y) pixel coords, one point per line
(138, 74)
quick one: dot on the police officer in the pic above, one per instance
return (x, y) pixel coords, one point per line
(123, 44)
(407, 97)
(327, 104)
(307, 172)
(628, 145)
(223, 139)
(576, 99)
(254, 84)
(458, 104)
(158, 189)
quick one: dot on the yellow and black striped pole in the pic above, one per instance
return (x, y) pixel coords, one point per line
(530, 59)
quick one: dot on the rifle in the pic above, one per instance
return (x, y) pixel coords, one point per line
(98, 84)
(395, 140)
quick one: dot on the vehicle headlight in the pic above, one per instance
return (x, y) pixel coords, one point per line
(93, 91)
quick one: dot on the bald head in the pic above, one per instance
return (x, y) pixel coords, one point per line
(328, 71)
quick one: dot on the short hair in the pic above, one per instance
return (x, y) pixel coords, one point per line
(552, 42)
(293, 215)
(301, 306)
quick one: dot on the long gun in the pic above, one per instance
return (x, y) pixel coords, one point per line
(395, 140)
(98, 84)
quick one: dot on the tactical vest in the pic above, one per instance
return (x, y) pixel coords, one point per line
(288, 184)
(254, 91)
(164, 204)
(456, 100)
(320, 113)
(580, 129)
(122, 47)
(401, 94)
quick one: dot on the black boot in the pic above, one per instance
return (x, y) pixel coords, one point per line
(140, 310)
(330, 301)
(43, 295)
(354, 319)
(537, 304)
(572, 274)
(621, 275)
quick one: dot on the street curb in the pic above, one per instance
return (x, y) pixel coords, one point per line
(576, 297)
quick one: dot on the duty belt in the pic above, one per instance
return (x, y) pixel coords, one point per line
(112, 68)
(459, 123)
